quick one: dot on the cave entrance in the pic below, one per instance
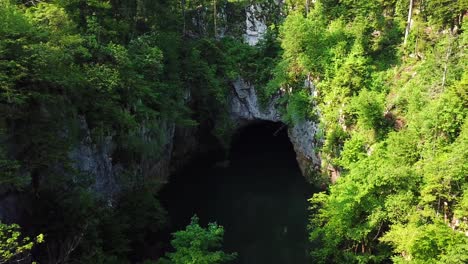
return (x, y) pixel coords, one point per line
(259, 196)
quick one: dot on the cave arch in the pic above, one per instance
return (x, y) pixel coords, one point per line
(245, 108)
(259, 196)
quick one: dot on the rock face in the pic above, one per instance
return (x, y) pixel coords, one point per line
(95, 159)
(258, 17)
(255, 24)
(303, 138)
(245, 108)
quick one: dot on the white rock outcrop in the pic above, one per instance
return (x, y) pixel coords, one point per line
(255, 25)
(244, 104)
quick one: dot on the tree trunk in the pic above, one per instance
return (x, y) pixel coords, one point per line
(214, 17)
(408, 23)
(447, 58)
(183, 16)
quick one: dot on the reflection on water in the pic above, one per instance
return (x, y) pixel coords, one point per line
(259, 196)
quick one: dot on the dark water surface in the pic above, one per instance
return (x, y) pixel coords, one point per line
(260, 197)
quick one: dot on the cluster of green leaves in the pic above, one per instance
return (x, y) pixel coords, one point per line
(213, 18)
(340, 55)
(394, 121)
(198, 245)
(14, 246)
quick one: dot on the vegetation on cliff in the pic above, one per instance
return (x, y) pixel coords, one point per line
(393, 110)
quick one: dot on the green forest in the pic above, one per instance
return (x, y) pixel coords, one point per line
(388, 86)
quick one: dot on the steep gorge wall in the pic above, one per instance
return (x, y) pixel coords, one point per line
(97, 159)
(181, 143)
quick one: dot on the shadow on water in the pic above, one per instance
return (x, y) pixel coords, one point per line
(260, 197)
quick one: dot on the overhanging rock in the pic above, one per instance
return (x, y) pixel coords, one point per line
(245, 108)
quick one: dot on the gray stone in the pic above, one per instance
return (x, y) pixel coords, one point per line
(255, 25)
(244, 104)
(95, 160)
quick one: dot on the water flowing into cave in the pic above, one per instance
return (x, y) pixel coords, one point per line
(259, 196)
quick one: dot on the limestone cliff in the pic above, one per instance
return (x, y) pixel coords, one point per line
(96, 160)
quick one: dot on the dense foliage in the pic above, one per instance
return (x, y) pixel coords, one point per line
(393, 111)
(14, 247)
(198, 245)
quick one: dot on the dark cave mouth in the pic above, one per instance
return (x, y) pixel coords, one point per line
(261, 136)
(259, 195)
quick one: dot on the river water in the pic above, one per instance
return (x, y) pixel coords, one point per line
(260, 197)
